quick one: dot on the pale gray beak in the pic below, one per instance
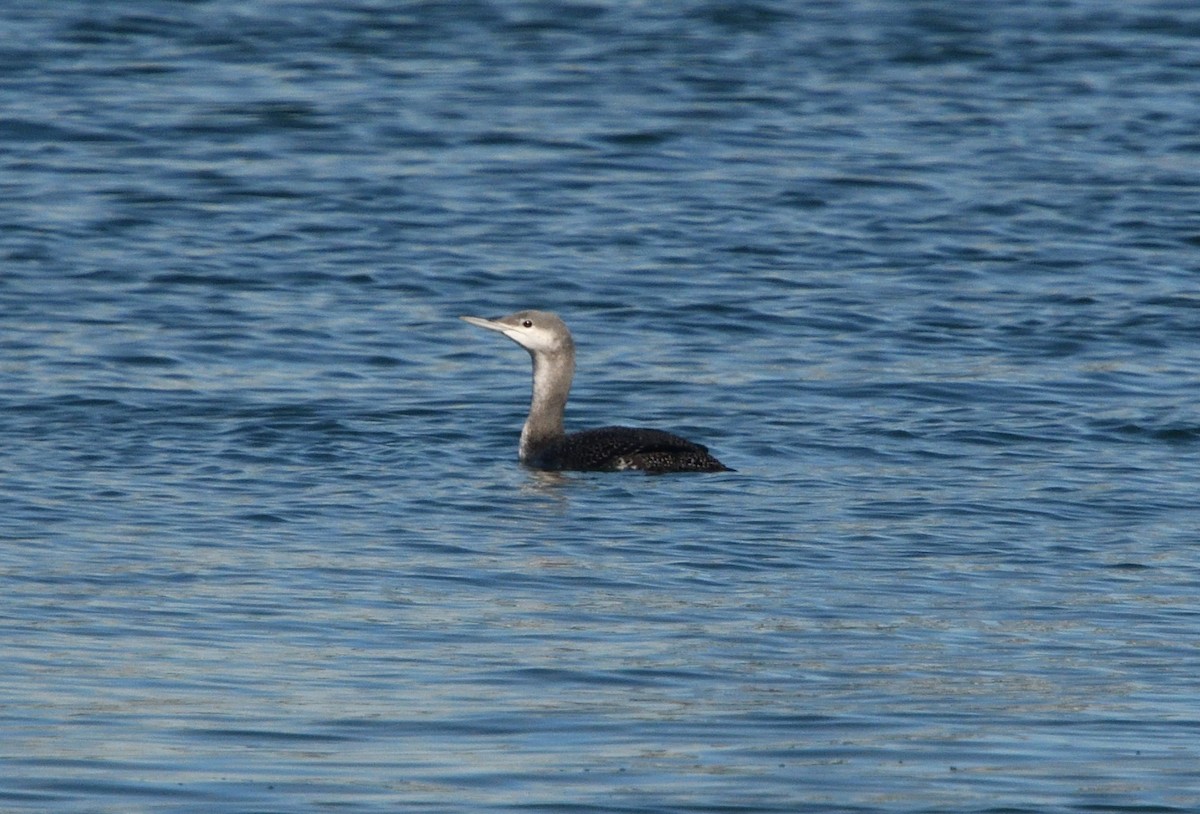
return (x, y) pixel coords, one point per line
(490, 324)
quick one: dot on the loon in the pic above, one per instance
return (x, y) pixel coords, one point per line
(544, 445)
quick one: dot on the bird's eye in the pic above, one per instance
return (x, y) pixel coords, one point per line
(528, 323)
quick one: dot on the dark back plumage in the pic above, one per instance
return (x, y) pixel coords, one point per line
(609, 449)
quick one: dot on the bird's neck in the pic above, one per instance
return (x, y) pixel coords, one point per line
(552, 374)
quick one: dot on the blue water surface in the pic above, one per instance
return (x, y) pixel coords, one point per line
(926, 274)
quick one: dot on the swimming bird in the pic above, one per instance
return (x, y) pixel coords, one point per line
(544, 444)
